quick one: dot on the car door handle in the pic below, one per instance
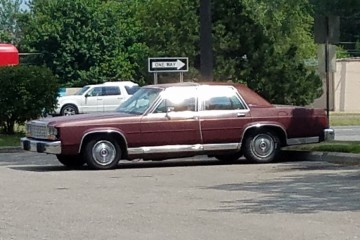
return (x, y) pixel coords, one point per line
(241, 114)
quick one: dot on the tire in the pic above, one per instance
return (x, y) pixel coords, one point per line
(229, 158)
(71, 161)
(262, 147)
(102, 153)
(69, 109)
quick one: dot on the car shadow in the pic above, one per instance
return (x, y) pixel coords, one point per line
(202, 160)
(185, 162)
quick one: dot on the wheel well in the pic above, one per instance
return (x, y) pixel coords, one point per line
(117, 136)
(69, 104)
(274, 129)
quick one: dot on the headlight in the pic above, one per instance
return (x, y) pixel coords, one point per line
(52, 133)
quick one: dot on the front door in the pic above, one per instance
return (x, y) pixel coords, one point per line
(93, 100)
(173, 123)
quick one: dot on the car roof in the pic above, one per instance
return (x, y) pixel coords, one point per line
(121, 83)
(250, 96)
(128, 83)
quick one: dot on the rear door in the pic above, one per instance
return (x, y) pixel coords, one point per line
(111, 98)
(222, 115)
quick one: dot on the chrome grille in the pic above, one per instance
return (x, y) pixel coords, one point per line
(36, 130)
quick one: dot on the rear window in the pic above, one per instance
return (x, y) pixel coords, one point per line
(131, 89)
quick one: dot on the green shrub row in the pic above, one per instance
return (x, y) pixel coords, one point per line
(26, 93)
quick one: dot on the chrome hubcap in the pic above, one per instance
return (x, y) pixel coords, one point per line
(104, 152)
(69, 111)
(263, 145)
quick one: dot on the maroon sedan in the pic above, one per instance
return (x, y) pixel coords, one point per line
(179, 120)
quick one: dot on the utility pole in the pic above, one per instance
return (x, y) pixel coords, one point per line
(206, 54)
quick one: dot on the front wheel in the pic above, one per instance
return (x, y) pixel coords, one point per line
(71, 161)
(102, 153)
(69, 109)
(262, 147)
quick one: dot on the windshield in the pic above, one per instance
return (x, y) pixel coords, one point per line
(82, 90)
(140, 101)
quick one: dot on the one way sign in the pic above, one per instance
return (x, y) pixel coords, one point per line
(169, 64)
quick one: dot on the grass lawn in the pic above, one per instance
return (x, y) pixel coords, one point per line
(333, 146)
(10, 140)
(344, 119)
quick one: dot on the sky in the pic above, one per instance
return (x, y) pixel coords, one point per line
(24, 6)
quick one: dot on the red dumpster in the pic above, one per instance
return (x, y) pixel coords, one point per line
(9, 55)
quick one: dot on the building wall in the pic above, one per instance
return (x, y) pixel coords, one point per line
(347, 86)
(344, 87)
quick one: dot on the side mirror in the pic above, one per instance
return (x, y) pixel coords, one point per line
(169, 110)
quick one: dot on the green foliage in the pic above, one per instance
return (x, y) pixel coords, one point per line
(349, 13)
(260, 42)
(9, 28)
(26, 93)
(86, 41)
(170, 28)
(264, 43)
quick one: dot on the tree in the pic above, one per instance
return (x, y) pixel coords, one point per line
(9, 28)
(86, 41)
(349, 13)
(170, 28)
(26, 93)
(264, 44)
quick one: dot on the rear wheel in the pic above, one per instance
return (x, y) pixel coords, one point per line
(262, 146)
(69, 109)
(71, 161)
(102, 153)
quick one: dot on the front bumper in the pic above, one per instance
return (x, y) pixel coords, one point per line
(39, 146)
(329, 134)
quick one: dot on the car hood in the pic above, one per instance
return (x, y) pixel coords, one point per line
(92, 118)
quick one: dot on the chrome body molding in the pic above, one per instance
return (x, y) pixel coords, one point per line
(183, 148)
(219, 147)
(329, 134)
(305, 140)
(52, 147)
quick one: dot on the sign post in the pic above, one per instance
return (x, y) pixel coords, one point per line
(168, 64)
(327, 31)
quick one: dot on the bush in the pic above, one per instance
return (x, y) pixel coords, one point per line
(26, 93)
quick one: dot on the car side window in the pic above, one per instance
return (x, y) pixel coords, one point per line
(96, 91)
(111, 91)
(177, 100)
(169, 105)
(224, 99)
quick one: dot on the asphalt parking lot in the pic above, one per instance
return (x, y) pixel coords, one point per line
(181, 199)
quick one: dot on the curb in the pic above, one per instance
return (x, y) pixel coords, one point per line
(332, 157)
